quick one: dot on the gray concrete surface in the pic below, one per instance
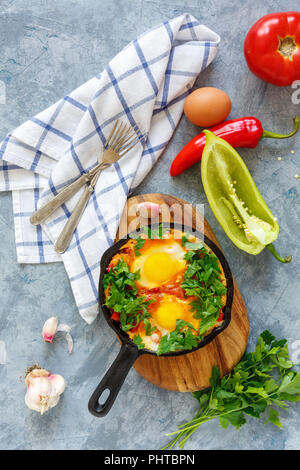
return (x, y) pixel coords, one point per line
(47, 49)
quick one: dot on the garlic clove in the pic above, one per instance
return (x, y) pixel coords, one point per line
(33, 372)
(66, 329)
(148, 210)
(58, 383)
(38, 394)
(70, 342)
(32, 403)
(49, 329)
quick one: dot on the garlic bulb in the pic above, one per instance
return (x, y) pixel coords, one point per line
(49, 329)
(43, 389)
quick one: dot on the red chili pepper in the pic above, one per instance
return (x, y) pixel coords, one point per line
(115, 316)
(243, 132)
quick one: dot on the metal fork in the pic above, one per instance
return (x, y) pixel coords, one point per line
(121, 139)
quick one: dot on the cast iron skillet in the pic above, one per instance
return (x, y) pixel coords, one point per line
(129, 352)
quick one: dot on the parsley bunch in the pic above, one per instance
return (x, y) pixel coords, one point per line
(201, 279)
(264, 379)
(122, 295)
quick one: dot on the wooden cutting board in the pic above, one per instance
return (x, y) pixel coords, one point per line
(189, 372)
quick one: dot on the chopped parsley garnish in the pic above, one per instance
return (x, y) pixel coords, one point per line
(122, 295)
(202, 280)
(138, 341)
(139, 244)
(153, 233)
(190, 245)
(179, 339)
(148, 328)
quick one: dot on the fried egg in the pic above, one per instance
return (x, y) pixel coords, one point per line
(159, 263)
(164, 315)
(169, 309)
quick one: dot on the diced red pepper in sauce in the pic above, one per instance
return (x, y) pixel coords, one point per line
(140, 328)
(173, 289)
(221, 315)
(115, 316)
(135, 329)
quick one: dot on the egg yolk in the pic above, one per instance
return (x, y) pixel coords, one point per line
(167, 313)
(159, 267)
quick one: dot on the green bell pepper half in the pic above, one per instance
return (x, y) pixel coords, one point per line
(235, 199)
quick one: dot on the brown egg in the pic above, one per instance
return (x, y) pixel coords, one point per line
(207, 106)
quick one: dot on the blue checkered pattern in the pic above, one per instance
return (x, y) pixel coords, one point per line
(144, 85)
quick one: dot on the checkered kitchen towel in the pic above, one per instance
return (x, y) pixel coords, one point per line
(144, 85)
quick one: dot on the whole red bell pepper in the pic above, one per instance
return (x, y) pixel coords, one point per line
(243, 132)
(272, 48)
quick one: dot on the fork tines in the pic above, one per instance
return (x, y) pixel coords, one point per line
(123, 138)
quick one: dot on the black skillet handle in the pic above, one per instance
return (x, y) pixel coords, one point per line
(113, 380)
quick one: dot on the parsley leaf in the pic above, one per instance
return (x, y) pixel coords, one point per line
(138, 341)
(190, 245)
(148, 328)
(153, 233)
(202, 280)
(139, 244)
